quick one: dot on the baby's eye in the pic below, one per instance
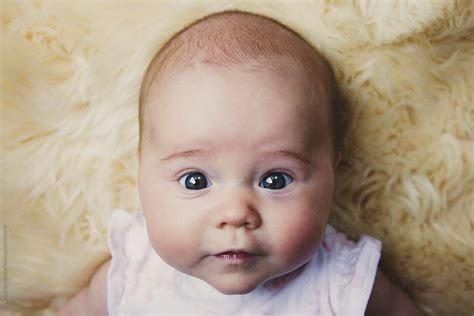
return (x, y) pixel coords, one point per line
(276, 181)
(194, 181)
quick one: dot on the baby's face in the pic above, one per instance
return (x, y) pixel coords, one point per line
(236, 183)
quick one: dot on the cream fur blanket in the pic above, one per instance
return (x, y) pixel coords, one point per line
(70, 73)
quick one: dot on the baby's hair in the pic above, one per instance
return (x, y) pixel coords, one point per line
(243, 41)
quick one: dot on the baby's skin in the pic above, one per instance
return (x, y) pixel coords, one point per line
(236, 176)
(236, 183)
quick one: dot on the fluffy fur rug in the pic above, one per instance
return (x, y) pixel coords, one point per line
(69, 83)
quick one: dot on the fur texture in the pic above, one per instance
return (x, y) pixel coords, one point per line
(70, 73)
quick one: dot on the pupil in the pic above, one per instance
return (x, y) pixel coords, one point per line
(274, 181)
(196, 181)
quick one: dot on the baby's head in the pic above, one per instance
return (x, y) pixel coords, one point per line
(237, 150)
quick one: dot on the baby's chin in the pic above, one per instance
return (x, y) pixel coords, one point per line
(234, 284)
(234, 287)
(240, 286)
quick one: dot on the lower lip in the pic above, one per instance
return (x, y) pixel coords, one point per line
(235, 258)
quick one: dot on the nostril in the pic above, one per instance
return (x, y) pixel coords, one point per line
(255, 222)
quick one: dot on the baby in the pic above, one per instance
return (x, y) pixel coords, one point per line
(239, 143)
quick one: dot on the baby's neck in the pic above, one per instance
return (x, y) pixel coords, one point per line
(280, 281)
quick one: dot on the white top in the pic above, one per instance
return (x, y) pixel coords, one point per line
(337, 280)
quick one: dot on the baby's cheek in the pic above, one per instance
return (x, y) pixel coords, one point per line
(162, 236)
(299, 238)
(169, 239)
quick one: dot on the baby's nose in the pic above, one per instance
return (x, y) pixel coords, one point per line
(238, 209)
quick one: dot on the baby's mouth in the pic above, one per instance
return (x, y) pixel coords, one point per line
(235, 257)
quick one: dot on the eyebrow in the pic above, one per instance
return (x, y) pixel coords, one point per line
(197, 152)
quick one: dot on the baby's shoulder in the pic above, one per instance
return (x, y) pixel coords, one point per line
(387, 299)
(92, 300)
(97, 291)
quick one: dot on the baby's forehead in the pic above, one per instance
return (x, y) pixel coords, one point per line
(315, 85)
(273, 76)
(203, 90)
(239, 41)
